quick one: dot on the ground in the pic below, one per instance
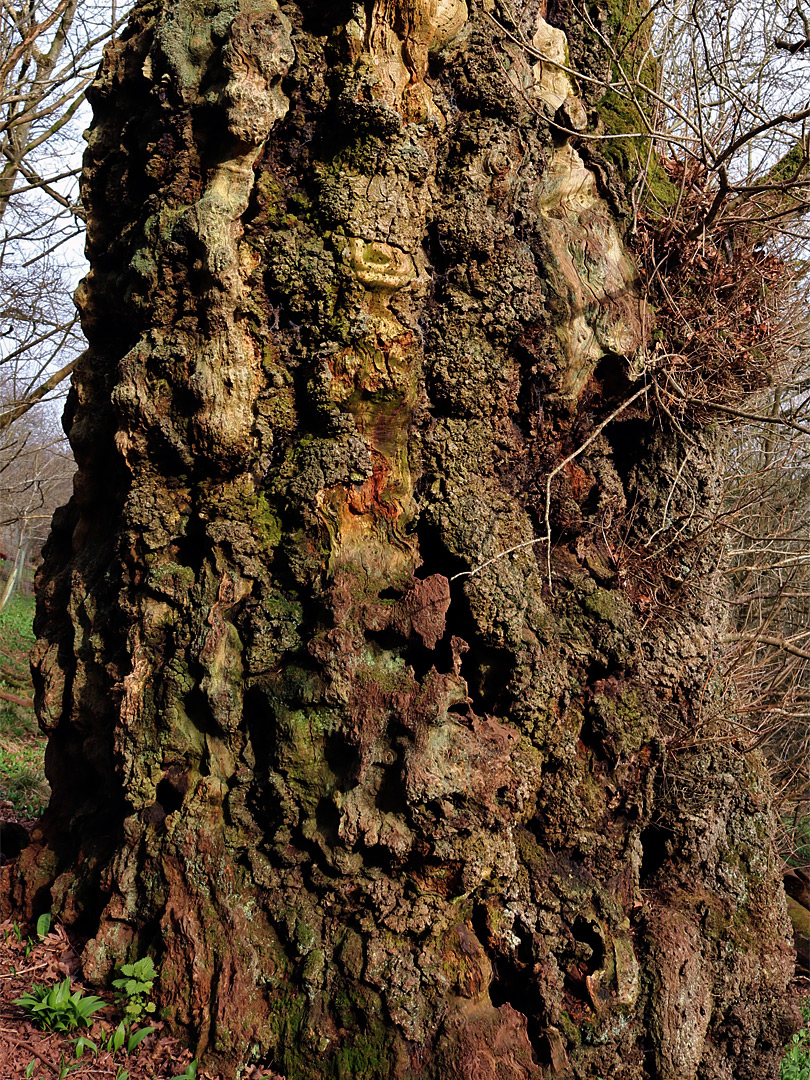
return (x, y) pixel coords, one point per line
(27, 1052)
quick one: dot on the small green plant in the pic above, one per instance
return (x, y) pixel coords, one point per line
(123, 1037)
(796, 1062)
(57, 1009)
(41, 932)
(82, 1044)
(134, 989)
(43, 926)
(67, 1067)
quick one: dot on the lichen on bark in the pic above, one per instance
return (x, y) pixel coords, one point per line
(351, 302)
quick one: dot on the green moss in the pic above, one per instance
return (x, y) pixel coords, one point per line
(312, 723)
(385, 670)
(314, 967)
(610, 607)
(300, 756)
(369, 1056)
(270, 197)
(622, 722)
(287, 1023)
(267, 523)
(143, 264)
(301, 1054)
(627, 24)
(362, 156)
(306, 936)
(626, 21)
(183, 737)
(172, 576)
(631, 155)
(531, 854)
(342, 1005)
(789, 167)
(570, 1030)
(300, 685)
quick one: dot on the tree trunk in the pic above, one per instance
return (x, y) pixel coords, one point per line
(17, 567)
(356, 303)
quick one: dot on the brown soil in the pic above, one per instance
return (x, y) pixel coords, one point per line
(159, 1057)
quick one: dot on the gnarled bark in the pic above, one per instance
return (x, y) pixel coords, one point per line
(353, 299)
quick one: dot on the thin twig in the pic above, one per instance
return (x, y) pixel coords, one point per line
(495, 558)
(33, 1050)
(665, 514)
(25, 971)
(571, 457)
(742, 414)
(547, 538)
(14, 700)
(766, 639)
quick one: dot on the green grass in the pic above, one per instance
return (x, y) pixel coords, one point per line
(16, 639)
(22, 747)
(796, 1062)
(18, 618)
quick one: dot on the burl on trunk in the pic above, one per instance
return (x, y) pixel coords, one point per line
(358, 290)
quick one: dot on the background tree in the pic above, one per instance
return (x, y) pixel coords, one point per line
(767, 662)
(36, 468)
(363, 718)
(49, 50)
